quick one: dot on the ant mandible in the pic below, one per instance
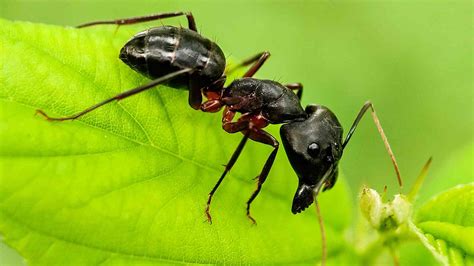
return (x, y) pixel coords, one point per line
(312, 137)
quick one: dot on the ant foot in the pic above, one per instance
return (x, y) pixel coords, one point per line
(208, 215)
(43, 114)
(254, 222)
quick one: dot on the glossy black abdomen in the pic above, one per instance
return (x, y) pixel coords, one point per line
(163, 50)
(276, 102)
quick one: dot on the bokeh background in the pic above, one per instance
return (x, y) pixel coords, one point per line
(412, 59)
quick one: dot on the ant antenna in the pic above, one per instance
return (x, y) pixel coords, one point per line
(362, 111)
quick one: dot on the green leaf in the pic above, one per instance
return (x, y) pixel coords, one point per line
(414, 253)
(446, 225)
(128, 183)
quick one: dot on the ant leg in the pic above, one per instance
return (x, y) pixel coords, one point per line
(249, 61)
(257, 65)
(213, 95)
(234, 127)
(257, 61)
(227, 115)
(195, 94)
(230, 127)
(118, 97)
(362, 111)
(228, 166)
(134, 20)
(265, 138)
(211, 106)
(296, 87)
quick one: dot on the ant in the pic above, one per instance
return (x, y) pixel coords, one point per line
(312, 137)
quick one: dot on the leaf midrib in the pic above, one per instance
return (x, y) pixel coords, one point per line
(159, 149)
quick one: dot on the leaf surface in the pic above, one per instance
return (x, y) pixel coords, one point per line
(446, 225)
(128, 183)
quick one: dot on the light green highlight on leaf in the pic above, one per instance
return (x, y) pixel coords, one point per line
(455, 206)
(446, 224)
(455, 234)
(456, 256)
(430, 243)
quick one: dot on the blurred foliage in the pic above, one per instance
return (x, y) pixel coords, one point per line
(457, 169)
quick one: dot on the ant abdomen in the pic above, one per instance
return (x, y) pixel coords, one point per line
(163, 50)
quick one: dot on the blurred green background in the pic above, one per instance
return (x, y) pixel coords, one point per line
(412, 59)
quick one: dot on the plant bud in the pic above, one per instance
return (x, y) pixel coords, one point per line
(384, 216)
(371, 206)
(401, 209)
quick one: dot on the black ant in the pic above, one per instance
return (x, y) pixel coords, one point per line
(312, 137)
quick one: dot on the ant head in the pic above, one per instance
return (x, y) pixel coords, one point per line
(313, 147)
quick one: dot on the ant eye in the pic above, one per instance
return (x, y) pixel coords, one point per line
(313, 149)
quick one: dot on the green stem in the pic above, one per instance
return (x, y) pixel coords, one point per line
(391, 240)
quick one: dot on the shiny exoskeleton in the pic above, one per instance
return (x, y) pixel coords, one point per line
(312, 137)
(167, 49)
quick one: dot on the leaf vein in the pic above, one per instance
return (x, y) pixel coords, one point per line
(160, 149)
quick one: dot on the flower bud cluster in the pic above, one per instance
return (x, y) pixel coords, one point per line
(384, 216)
